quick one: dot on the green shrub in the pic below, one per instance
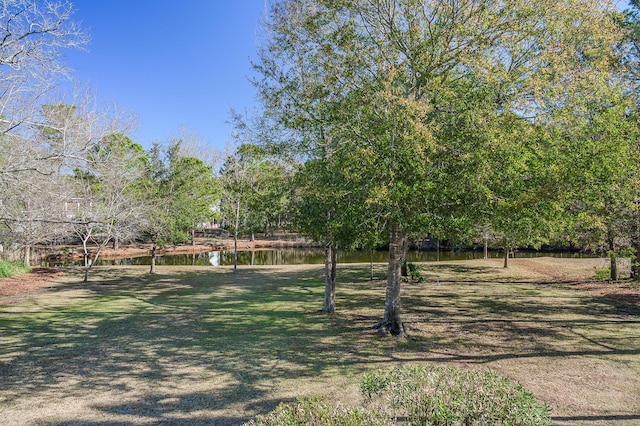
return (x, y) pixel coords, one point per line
(412, 271)
(422, 395)
(415, 272)
(317, 412)
(9, 269)
(373, 383)
(603, 274)
(439, 396)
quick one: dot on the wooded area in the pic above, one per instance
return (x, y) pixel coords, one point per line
(513, 123)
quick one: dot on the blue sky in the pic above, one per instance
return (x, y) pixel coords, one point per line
(173, 63)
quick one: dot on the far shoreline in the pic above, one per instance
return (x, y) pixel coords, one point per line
(74, 252)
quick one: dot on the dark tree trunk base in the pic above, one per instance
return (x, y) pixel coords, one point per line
(386, 328)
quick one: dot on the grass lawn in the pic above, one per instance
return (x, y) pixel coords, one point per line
(199, 345)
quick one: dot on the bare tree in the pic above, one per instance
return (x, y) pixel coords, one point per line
(108, 202)
(192, 144)
(36, 211)
(237, 178)
(39, 202)
(33, 34)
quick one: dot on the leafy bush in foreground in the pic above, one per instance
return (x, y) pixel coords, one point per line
(434, 395)
(9, 269)
(422, 395)
(318, 412)
(603, 274)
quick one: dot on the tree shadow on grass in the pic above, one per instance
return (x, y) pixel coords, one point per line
(507, 322)
(597, 419)
(172, 410)
(461, 269)
(201, 345)
(232, 335)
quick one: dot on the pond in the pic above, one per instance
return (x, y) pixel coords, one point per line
(300, 256)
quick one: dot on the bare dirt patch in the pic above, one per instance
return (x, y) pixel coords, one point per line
(40, 277)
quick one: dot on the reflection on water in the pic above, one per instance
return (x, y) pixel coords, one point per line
(301, 256)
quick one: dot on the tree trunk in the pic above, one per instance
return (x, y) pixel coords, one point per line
(635, 243)
(398, 245)
(613, 259)
(152, 270)
(506, 256)
(193, 236)
(635, 264)
(612, 255)
(26, 259)
(116, 243)
(235, 252)
(371, 265)
(87, 261)
(486, 249)
(330, 261)
(235, 239)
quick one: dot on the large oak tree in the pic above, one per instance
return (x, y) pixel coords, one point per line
(406, 86)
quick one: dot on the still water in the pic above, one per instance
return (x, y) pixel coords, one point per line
(301, 256)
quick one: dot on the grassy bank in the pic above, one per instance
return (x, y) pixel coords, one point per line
(194, 345)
